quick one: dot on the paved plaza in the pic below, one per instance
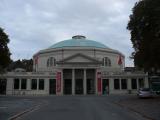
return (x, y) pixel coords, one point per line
(112, 107)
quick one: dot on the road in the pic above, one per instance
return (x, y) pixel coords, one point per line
(80, 108)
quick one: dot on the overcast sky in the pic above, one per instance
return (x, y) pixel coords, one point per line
(33, 25)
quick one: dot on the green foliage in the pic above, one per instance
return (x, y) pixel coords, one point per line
(4, 50)
(25, 64)
(144, 26)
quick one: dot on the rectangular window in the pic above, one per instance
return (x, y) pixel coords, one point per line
(134, 84)
(116, 84)
(123, 83)
(34, 84)
(41, 84)
(23, 83)
(16, 83)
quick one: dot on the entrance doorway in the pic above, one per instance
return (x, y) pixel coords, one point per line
(3, 83)
(90, 86)
(52, 86)
(79, 86)
(105, 86)
(67, 86)
(90, 75)
(67, 81)
(79, 76)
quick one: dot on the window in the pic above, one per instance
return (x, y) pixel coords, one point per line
(51, 62)
(23, 83)
(34, 84)
(106, 61)
(3, 85)
(123, 83)
(116, 84)
(48, 63)
(16, 83)
(134, 84)
(41, 84)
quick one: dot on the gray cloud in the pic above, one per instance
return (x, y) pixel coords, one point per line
(37, 24)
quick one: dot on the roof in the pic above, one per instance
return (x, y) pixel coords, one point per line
(78, 41)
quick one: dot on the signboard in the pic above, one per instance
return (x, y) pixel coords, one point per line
(99, 83)
(58, 82)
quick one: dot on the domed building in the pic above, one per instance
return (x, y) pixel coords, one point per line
(78, 52)
(76, 66)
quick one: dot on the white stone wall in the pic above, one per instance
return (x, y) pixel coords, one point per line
(60, 54)
(28, 91)
(112, 90)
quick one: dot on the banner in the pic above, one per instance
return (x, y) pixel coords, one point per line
(99, 83)
(58, 82)
(120, 60)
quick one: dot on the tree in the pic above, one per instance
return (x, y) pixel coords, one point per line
(144, 26)
(4, 50)
(28, 64)
(25, 64)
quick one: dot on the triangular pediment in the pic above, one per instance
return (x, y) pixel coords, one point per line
(79, 58)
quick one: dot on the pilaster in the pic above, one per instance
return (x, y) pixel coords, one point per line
(73, 81)
(85, 83)
(129, 83)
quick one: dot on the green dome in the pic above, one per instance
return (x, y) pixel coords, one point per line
(78, 41)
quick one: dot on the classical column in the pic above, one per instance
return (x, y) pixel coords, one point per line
(111, 84)
(120, 85)
(37, 84)
(137, 80)
(62, 85)
(73, 81)
(129, 84)
(96, 83)
(146, 82)
(20, 79)
(10, 86)
(28, 84)
(46, 85)
(84, 83)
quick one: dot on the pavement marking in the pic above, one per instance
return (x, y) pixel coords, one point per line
(2, 107)
(34, 108)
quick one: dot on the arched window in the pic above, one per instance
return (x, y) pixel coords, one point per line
(51, 62)
(106, 62)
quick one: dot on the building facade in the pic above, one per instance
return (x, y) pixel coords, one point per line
(75, 66)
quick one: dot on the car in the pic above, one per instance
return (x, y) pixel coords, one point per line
(145, 93)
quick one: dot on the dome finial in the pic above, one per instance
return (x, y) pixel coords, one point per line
(78, 37)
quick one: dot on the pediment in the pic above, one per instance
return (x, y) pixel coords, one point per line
(79, 58)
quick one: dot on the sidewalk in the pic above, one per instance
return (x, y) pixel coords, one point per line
(149, 108)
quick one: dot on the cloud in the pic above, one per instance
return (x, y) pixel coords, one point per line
(35, 25)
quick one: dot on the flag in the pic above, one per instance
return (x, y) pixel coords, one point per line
(36, 59)
(120, 60)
